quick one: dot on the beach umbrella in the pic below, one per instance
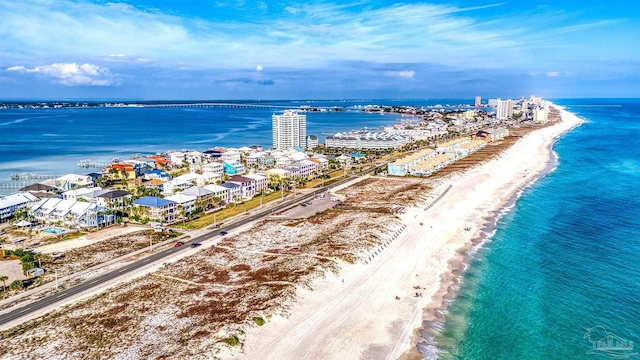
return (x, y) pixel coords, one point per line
(23, 223)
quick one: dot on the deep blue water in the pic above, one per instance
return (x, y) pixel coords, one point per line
(566, 257)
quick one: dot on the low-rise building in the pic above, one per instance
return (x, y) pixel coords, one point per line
(261, 181)
(201, 193)
(312, 142)
(219, 192)
(70, 213)
(233, 168)
(78, 193)
(248, 185)
(156, 209)
(235, 191)
(402, 166)
(365, 140)
(185, 204)
(120, 171)
(9, 204)
(114, 199)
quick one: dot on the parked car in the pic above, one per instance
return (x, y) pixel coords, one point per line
(223, 233)
(195, 245)
(179, 243)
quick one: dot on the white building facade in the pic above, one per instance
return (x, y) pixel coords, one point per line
(289, 129)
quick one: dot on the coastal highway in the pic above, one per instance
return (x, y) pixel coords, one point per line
(65, 295)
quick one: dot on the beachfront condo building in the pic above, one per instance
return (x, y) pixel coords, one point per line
(540, 116)
(289, 130)
(478, 101)
(504, 109)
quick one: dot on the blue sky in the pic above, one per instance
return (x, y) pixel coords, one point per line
(243, 49)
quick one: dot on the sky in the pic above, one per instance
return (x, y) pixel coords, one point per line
(244, 49)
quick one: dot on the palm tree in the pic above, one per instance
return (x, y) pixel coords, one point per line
(4, 278)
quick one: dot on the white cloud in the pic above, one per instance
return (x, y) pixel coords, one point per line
(557, 74)
(312, 34)
(71, 74)
(259, 68)
(405, 74)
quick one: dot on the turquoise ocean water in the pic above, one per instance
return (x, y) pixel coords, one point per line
(564, 259)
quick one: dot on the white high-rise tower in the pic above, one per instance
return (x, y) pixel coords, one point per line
(289, 129)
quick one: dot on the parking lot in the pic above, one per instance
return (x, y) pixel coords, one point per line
(309, 208)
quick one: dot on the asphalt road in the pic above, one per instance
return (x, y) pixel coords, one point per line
(66, 294)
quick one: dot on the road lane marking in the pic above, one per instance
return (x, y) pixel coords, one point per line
(24, 310)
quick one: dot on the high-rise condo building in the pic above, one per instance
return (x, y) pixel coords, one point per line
(289, 129)
(478, 101)
(504, 109)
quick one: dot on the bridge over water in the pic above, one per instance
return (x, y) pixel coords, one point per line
(218, 105)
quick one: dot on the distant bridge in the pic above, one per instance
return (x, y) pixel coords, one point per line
(217, 105)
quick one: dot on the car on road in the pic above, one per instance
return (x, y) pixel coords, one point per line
(195, 245)
(303, 204)
(223, 233)
(179, 243)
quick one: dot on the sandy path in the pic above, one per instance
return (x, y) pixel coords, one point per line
(362, 319)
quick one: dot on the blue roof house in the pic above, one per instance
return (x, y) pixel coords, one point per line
(233, 167)
(155, 208)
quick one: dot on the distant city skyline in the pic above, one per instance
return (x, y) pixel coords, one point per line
(243, 49)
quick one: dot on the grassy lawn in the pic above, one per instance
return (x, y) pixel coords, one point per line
(73, 235)
(229, 211)
(318, 182)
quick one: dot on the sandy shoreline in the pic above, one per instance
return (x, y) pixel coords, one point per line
(357, 314)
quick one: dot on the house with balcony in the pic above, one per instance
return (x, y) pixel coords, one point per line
(9, 204)
(156, 209)
(219, 192)
(233, 168)
(114, 199)
(72, 214)
(235, 191)
(202, 194)
(248, 185)
(120, 171)
(261, 181)
(76, 194)
(184, 203)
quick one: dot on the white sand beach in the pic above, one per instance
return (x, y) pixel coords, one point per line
(357, 314)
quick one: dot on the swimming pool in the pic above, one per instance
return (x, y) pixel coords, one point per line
(52, 230)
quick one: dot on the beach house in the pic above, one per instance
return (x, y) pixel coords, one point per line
(261, 181)
(9, 204)
(235, 191)
(233, 168)
(114, 199)
(185, 204)
(247, 185)
(202, 194)
(156, 209)
(70, 213)
(219, 192)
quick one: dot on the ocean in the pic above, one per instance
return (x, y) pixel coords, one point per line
(562, 268)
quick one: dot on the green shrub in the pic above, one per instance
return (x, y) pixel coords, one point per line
(259, 321)
(16, 285)
(233, 340)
